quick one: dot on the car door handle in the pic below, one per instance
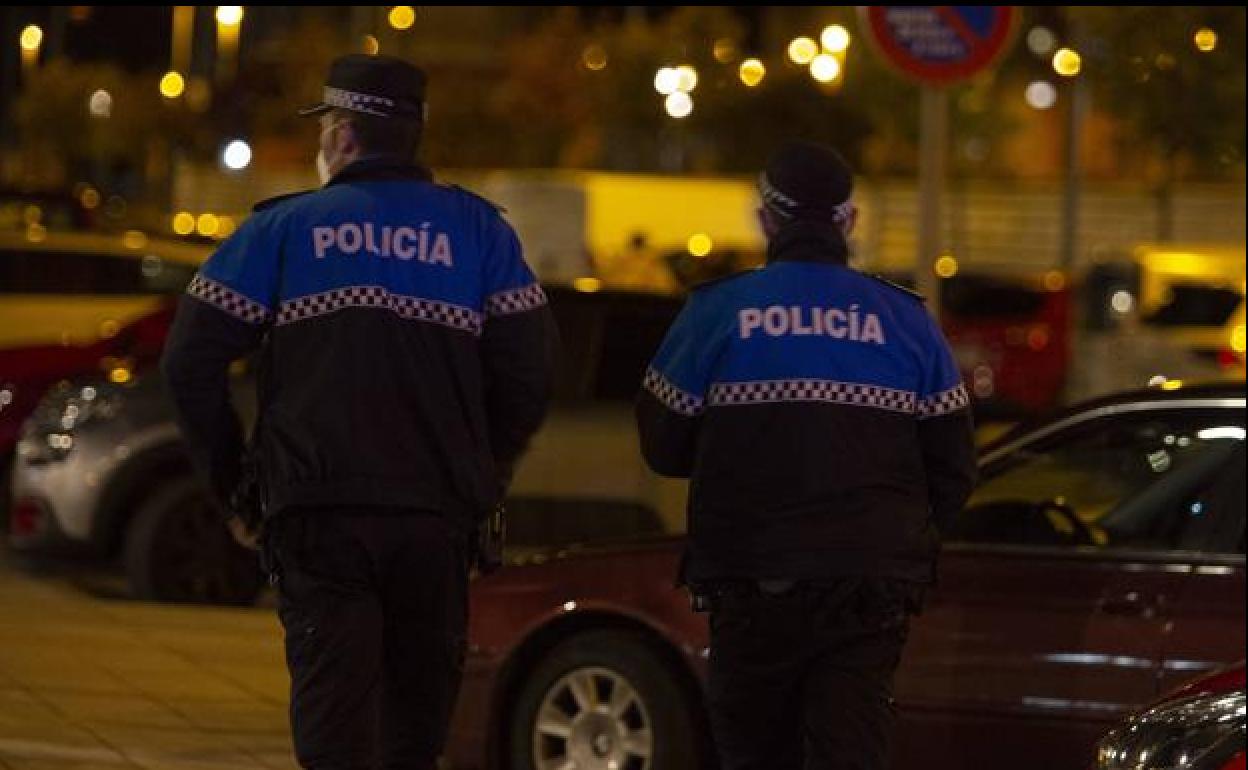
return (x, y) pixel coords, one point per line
(1131, 604)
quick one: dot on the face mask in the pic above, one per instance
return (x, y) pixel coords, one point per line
(322, 167)
(322, 164)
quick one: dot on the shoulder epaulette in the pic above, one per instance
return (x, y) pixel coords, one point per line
(898, 287)
(269, 203)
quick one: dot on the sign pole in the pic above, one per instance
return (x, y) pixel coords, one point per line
(933, 146)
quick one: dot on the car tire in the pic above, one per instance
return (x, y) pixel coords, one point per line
(179, 550)
(599, 698)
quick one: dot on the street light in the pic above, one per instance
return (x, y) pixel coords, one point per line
(679, 104)
(686, 78)
(1205, 39)
(1040, 95)
(30, 40)
(825, 68)
(402, 17)
(236, 156)
(835, 39)
(172, 85)
(229, 22)
(229, 15)
(1067, 62)
(667, 81)
(594, 57)
(100, 105)
(751, 72)
(802, 50)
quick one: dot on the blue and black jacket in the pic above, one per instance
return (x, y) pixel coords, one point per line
(819, 414)
(406, 349)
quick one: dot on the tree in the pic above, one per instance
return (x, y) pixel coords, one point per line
(1185, 106)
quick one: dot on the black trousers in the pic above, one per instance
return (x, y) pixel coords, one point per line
(375, 609)
(804, 679)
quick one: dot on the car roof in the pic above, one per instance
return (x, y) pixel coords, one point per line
(133, 244)
(1183, 393)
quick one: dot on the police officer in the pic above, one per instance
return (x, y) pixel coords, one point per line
(405, 360)
(822, 422)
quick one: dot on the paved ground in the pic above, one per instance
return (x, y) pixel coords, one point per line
(90, 683)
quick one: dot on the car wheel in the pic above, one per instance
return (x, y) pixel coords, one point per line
(603, 700)
(179, 550)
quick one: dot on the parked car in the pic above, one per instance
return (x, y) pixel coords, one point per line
(102, 474)
(76, 288)
(1200, 726)
(77, 305)
(1100, 563)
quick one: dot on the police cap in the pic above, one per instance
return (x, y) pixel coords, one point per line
(384, 86)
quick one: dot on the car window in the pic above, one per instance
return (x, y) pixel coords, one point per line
(1196, 305)
(1212, 518)
(60, 272)
(1114, 482)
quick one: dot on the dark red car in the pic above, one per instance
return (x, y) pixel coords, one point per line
(1200, 726)
(1100, 563)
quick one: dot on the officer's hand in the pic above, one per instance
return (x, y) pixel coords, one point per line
(247, 538)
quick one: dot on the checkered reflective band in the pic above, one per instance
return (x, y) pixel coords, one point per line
(410, 308)
(829, 391)
(353, 100)
(945, 402)
(515, 301)
(224, 298)
(774, 199)
(679, 401)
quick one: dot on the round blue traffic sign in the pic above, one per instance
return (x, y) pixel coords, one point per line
(941, 44)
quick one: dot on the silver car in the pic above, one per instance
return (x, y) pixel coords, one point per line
(101, 472)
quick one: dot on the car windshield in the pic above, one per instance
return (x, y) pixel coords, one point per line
(1120, 479)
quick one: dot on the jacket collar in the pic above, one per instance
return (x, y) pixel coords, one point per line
(381, 168)
(806, 241)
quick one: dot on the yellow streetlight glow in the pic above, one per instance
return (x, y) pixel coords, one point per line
(184, 223)
(172, 85)
(802, 50)
(946, 267)
(724, 50)
(402, 17)
(90, 198)
(119, 375)
(835, 39)
(700, 245)
(134, 239)
(230, 15)
(1239, 339)
(679, 105)
(1054, 280)
(752, 72)
(825, 68)
(32, 38)
(1067, 62)
(1205, 39)
(207, 225)
(686, 78)
(587, 285)
(594, 57)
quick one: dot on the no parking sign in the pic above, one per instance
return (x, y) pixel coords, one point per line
(941, 44)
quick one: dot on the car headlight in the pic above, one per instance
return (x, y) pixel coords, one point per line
(49, 433)
(1176, 734)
